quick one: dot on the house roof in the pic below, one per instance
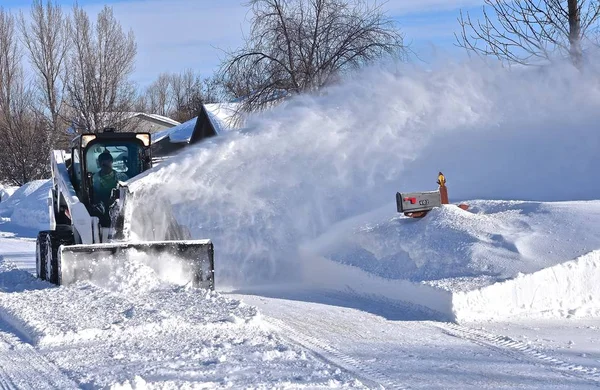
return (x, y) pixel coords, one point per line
(156, 117)
(153, 117)
(221, 116)
(179, 133)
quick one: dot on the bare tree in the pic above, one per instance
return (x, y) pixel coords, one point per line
(24, 144)
(190, 92)
(211, 90)
(296, 46)
(141, 103)
(179, 95)
(527, 31)
(183, 85)
(100, 62)
(159, 95)
(45, 37)
(10, 68)
(23, 139)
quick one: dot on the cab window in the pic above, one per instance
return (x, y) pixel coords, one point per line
(127, 157)
(76, 169)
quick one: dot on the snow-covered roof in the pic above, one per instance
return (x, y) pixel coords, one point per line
(180, 133)
(128, 115)
(221, 115)
(156, 117)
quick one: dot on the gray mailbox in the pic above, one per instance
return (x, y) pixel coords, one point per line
(412, 202)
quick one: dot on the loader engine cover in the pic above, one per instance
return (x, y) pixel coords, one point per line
(178, 262)
(412, 202)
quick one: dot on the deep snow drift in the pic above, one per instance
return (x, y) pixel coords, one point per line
(500, 259)
(460, 250)
(28, 205)
(6, 192)
(261, 193)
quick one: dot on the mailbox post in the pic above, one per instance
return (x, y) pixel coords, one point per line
(418, 204)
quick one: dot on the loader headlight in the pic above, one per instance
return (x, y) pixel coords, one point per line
(86, 139)
(144, 137)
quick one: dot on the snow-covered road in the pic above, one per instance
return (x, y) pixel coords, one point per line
(23, 367)
(396, 346)
(132, 336)
(91, 337)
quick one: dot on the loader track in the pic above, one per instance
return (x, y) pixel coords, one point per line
(520, 351)
(22, 367)
(364, 371)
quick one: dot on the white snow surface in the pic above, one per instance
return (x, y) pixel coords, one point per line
(141, 332)
(332, 288)
(499, 259)
(163, 118)
(156, 335)
(28, 205)
(6, 192)
(459, 250)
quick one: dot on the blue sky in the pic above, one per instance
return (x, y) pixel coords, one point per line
(173, 35)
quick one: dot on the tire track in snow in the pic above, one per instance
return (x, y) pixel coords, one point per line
(22, 367)
(366, 373)
(503, 344)
(517, 350)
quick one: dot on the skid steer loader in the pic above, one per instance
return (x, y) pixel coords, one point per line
(88, 233)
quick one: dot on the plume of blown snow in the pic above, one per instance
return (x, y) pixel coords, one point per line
(316, 160)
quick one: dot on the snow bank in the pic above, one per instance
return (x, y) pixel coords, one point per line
(456, 249)
(566, 290)
(570, 289)
(317, 160)
(28, 206)
(500, 259)
(6, 192)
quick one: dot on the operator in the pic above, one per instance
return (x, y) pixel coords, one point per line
(105, 180)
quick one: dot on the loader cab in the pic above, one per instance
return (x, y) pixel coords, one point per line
(130, 155)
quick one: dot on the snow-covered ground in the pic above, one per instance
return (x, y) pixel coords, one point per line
(500, 259)
(321, 283)
(147, 335)
(143, 333)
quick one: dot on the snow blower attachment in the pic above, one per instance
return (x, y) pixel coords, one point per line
(418, 204)
(89, 238)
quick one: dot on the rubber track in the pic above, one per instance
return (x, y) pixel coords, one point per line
(22, 367)
(369, 375)
(516, 349)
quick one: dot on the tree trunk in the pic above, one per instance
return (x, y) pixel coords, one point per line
(575, 33)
